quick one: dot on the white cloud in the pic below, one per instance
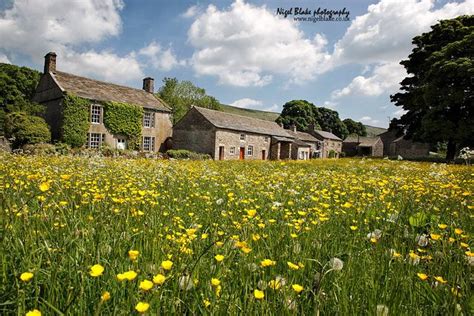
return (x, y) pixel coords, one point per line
(273, 108)
(110, 66)
(385, 32)
(382, 37)
(191, 12)
(368, 120)
(383, 78)
(246, 103)
(63, 26)
(399, 112)
(246, 45)
(4, 59)
(162, 59)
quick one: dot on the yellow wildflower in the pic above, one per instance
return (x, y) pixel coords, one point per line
(267, 263)
(159, 279)
(44, 186)
(129, 275)
(435, 236)
(133, 254)
(353, 227)
(292, 266)
(215, 282)
(167, 264)
(33, 312)
(458, 231)
(96, 270)
(442, 226)
(26, 276)
(105, 296)
(422, 276)
(142, 307)
(219, 258)
(297, 288)
(258, 294)
(274, 284)
(440, 279)
(146, 285)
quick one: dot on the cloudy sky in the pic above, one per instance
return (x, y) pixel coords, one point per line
(241, 52)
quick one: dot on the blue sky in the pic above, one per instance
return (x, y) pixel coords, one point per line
(241, 52)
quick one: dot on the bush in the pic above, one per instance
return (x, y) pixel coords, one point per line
(41, 149)
(186, 154)
(26, 129)
(332, 154)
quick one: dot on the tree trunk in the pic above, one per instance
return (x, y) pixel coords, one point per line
(451, 151)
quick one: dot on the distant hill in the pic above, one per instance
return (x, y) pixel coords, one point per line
(272, 116)
(373, 131)
(263, 115)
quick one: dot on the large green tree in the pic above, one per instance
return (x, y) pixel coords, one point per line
(438, 93)
(354, 127)
(300, 113)
(17, 86)
(181, 95)
(329, 121)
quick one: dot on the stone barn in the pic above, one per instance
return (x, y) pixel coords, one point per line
(356, 145)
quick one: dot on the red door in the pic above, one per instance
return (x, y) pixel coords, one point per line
(221, 152)
(242, 153)
(263, 154)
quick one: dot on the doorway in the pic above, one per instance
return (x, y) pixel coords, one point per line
(121, 144)
(242, 153)
(221, 152)
(263, 154)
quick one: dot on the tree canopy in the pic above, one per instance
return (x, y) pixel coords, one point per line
(437, 94)
(354, 127)
(17, 86)
(181, 95)
(303, 113)
(300, 113)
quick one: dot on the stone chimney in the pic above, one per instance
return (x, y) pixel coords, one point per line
(50, 62)
(293, 127)
(149, 85)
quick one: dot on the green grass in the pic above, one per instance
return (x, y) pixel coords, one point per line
(94, 211)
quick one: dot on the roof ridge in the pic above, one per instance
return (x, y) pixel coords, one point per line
(233, 114)
(109, 83)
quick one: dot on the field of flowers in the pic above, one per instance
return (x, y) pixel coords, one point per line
(350, 237)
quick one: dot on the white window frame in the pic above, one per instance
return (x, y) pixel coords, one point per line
(148, 119)
(232, 150)
(95, 114)
(95, 140)
(242, 136)
(148, 143)
(249, 150)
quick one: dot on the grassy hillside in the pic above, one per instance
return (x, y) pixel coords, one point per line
(374, 131)
(263, 115)
(272, 116)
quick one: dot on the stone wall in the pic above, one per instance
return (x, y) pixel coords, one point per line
(229, 139)
(193, 132)
(330, 144)
(5, 144)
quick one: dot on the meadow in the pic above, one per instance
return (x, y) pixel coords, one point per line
(103, 236)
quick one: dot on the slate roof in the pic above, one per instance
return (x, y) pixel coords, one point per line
(242, 123)
(362, 141)
(104, 91)
(303, 136)
(327, 135)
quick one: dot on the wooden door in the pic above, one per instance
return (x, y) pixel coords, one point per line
(242, 153)
(221, 152)
(263, 154)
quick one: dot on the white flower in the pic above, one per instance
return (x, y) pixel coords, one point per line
(422, 240)
(382, 310)
(219, 201)
(281, 280)
(375, 234)
(185, 283)
(336, 264)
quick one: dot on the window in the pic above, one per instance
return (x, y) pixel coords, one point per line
(95, 113)
(242, 136)
(148, 119)
(148, 143)
(95, 140)
(232, 150)
(250, 151)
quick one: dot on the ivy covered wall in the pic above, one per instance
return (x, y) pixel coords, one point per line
(75, 122)
(119, 119)
(124, 119)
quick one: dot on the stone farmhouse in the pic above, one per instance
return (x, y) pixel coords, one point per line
(330, 144)
(54, 85)
(394, 144)
(355, 145)
(226, 136)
